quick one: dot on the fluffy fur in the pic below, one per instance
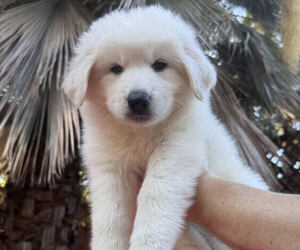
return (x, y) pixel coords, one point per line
(157, 160)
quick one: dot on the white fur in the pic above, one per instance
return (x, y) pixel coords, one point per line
(159, 160)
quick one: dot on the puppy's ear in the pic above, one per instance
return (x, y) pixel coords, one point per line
(76, 81)
(201, 73)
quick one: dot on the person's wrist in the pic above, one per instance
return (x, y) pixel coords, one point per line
(196, 211)
(206, 182)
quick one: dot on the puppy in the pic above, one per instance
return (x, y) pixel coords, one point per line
(142, 84)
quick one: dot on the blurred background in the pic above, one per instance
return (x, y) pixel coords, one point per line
(44, 199)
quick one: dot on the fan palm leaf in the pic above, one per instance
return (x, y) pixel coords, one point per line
(265, 12)
(31, 68)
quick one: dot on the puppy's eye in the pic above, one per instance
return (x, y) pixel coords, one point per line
(159, 66)
(116, 69)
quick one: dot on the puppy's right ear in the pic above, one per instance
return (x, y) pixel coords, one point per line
(76, 81)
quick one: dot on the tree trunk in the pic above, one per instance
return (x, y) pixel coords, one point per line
(41, 218)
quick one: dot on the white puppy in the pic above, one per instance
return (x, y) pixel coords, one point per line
(134, 76)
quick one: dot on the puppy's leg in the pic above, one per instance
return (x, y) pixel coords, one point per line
(164, 198)
(113, 195)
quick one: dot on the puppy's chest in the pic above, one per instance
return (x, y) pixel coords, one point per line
(134, 154)
(126, 153)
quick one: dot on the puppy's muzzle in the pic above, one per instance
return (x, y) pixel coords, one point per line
(139, 105)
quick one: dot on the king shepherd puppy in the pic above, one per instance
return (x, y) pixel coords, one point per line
(142, 84)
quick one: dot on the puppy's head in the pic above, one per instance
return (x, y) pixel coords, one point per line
(138, 66)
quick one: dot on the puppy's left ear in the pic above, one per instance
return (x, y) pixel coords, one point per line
(201, 73)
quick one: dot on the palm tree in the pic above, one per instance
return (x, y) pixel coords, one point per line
(257, 95)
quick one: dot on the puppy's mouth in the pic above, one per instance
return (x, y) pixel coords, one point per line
(139, 118)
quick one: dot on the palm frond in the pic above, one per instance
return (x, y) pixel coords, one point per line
(99, 8)
(8, 4)
(265, 12)
(126, 4)
(5, 3)
(32, 65)
(256, 60)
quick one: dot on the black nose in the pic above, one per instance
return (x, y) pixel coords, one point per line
(138, 102)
